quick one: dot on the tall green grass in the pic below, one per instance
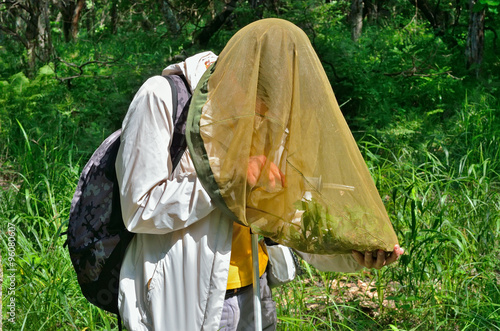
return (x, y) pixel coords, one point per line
(437, 169)
(442, 194)
(46, 296)
(442, 191)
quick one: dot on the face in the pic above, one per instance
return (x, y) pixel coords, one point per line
(260, 107)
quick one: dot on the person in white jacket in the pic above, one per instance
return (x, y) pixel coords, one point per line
(175, 272)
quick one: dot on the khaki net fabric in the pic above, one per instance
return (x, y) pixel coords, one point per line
(268, 95)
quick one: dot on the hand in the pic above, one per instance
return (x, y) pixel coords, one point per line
(255, 165)
(368, 259)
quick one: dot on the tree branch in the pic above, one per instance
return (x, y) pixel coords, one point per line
(14, 34)
(15, 4)
(80, 69)
(414, 72)
(211, 28)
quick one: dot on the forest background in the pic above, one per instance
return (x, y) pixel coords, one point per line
(417, 80)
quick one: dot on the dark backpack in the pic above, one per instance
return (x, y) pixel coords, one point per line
(96, 236)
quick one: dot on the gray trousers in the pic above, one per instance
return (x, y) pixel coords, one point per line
(237, 312)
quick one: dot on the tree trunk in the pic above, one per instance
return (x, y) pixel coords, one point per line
(435, 16)
(169, 18)
(71, 12)
(44, 36)
(77, 13)
(146, 24)
(39, 42)
(31, 36)
(66, 8)
(28, 22)
(371, 10)
(212, 27)
(356, 18)
(114, 16)
(90, 19)
(475, 37)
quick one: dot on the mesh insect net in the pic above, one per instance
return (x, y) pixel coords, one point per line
(268, 96)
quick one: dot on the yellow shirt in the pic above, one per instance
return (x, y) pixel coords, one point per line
(240, 267)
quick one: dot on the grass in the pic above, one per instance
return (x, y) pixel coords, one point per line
(442, 196)
(46, 295)
(437, 170)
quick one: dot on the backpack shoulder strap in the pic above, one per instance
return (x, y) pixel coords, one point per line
(181, 98)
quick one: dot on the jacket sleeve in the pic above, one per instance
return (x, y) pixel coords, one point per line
(153, 200)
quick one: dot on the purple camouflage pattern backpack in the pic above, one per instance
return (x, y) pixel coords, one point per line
(96, 235)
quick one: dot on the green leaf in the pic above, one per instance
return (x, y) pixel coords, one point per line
(45, 70)
(492, 3)
(19, 81)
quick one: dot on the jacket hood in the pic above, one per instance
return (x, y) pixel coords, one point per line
(192, 68)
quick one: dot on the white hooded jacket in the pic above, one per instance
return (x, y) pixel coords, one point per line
(175, 269)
